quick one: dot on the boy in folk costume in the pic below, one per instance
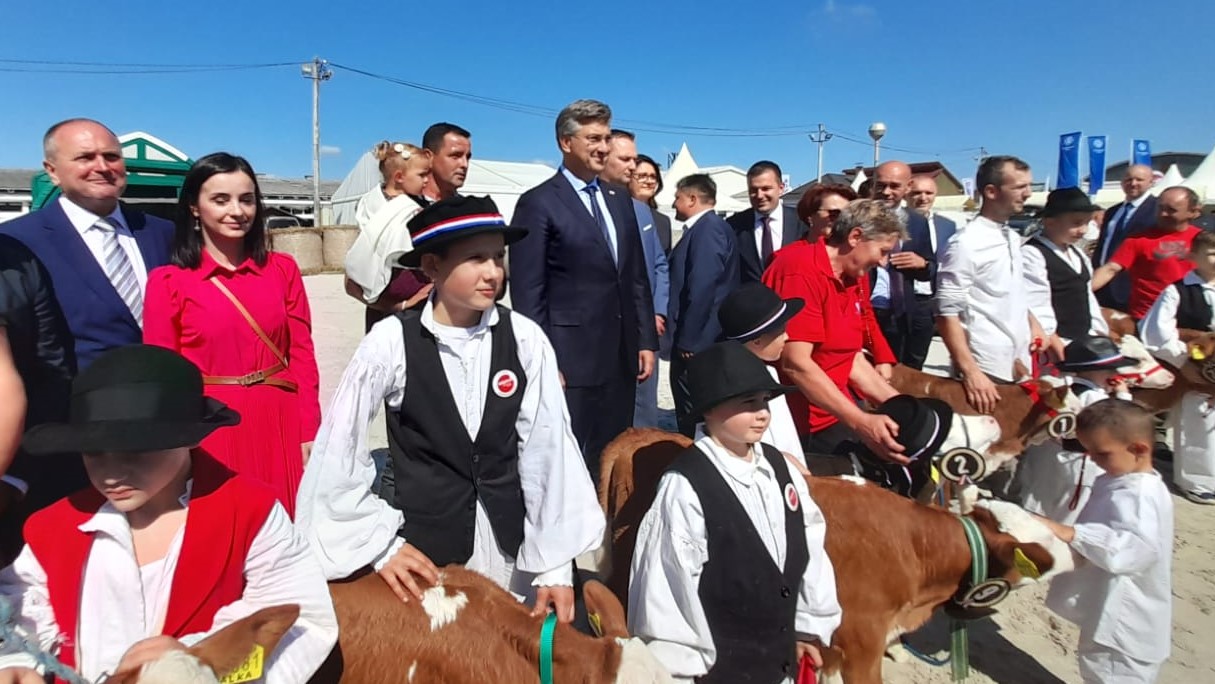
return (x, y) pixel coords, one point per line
(1054, 478)
(487, 471)
(1182, 312)
(169, 546)
(1120, 592)
(730, 581)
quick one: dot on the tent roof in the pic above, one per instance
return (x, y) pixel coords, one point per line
(1202, 180)
(155, 170)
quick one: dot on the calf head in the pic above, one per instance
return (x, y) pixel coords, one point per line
(1147, 372)
(1021, 549)
(1053, 396)
(220, 654)
(1120, 323)
(606, 615)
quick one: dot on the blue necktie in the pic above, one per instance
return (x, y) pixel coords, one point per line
(592, 189)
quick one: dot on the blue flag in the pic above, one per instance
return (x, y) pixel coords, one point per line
(1142, 152)
(1069, 161)
(1096, 163)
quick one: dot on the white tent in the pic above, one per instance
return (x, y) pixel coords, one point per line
(1202, 180)
(731, 183)
(1169, 179)
(683, 165)
(502, 181)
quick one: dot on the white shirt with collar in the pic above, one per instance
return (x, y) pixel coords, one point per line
(1127, 207)
(349, 527)
(1159, 326)
(776, 227)
(924, 287)
(120, 603)
(579, 186)
(781, 432)
(981, 281)
(1038, 289)
(83, 221)
(691, 220)
(672, 549)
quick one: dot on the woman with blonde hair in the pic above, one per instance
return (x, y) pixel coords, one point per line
(373, 275)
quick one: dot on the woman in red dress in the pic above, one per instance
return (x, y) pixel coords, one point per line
(240, 313)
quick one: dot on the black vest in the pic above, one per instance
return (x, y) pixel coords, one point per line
(440, 473)
(1193, 311)
(750, 603)
(1068, 292)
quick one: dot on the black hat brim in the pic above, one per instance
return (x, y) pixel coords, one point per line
(125, 436)
(413, 259)
(793, 306)
(1113, 363)
(772, 388)
(1049, 211)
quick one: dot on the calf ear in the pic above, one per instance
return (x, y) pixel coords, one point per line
(1031, 561)
(604, 611)
(229, 648)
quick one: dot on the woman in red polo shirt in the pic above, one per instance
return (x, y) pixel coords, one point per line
(823, 357)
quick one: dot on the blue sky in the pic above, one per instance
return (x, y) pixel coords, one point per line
(946, 77)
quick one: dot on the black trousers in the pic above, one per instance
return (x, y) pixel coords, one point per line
(910, 333)
(680, 394)
(826, 451)
(598, 414)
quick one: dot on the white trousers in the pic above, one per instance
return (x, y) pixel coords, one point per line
(1193, 424)
(1101, 665)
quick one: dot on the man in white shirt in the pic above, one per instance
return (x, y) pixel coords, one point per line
(982, 311)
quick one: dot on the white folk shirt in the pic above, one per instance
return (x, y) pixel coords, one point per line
(981, 281)
(1159, 326)
(1038, 291)
(120, 604)
(1120, 595)
(672, 549)
(94, 238)
(349, 527)
(781, 432)
(776, 228)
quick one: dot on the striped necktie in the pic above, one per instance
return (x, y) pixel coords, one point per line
(119, 270)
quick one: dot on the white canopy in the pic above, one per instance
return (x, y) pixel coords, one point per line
(1169, 179)
(1202, 181)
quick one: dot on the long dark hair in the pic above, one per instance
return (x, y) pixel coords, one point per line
(187, 242)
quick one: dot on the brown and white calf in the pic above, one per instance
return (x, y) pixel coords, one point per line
(895, 561)
(1189, 376)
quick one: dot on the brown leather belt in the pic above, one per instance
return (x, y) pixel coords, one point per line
(261, 377)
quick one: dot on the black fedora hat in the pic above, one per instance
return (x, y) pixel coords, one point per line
(753, 310)
(1093, 353)
(1067, 201)
(725, 371)
(453, 219)
(924, 424)
(134, 398)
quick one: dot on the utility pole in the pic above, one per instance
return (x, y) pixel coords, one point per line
(318, 70)
(823, 136)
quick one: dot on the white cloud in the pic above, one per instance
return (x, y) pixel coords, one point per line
(330, 150)
(841, 9)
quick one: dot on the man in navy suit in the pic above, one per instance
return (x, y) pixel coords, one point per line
(913, 267)
(767, 225)
(618, 170)
(98, 252)
(704, 265)
(580, 274)
(1136, 214)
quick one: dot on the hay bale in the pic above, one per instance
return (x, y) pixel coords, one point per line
(303, 243)
(336, 242)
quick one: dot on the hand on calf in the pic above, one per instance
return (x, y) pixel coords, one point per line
(401, 572)
(562, 600)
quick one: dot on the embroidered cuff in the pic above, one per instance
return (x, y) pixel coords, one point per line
(562, 576)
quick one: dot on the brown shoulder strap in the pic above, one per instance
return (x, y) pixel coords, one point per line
(249, 319)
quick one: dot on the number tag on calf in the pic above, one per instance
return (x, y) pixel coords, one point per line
(985, 594)
(1208, 372)
(1062, 426)
(250, 670)
(962, 464)
(1025, 566)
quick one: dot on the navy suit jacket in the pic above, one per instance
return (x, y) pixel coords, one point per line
(96, 315)
(1117, 293)
(743, 223)
(704, 268)
(597, 314)
(656, 266)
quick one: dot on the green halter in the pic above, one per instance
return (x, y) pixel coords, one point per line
(546, 648)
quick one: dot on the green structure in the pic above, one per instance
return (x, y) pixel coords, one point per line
(155, 171)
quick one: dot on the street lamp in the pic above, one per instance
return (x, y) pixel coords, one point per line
(876, 131)
(318, 70)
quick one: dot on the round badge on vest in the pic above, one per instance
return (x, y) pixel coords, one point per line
(985, 594)
(505, 383)
(1208, 372)
(791, 499)
(1062, 426)
(962, 464)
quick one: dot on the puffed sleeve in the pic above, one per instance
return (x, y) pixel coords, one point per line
(955, 276)
(1159, 329)
(162, 309)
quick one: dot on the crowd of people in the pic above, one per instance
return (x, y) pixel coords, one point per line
(178, 358)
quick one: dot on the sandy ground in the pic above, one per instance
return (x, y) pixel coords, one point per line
(1023, 644)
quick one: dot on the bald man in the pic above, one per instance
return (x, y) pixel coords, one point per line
(1135, 215)
(912, 269)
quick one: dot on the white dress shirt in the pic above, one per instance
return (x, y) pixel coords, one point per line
(121, 603)
(775, 227)
(1159, 326)
(580, 190)
(981, 281)
(1038, 290)
(94, 238)
(781, 432)
(349, 527)
(1120, 594)
(1116, 222)
(672, 549)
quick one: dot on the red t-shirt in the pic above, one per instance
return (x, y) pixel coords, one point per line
(1154, 259)
(831, 320)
